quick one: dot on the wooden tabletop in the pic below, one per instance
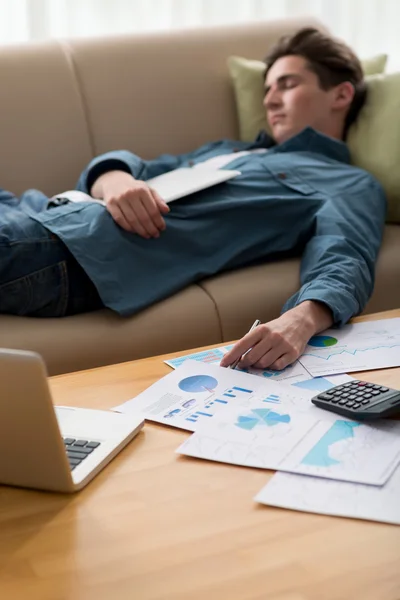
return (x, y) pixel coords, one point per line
(155, 526)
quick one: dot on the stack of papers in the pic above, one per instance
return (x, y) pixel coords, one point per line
(353, 500)
(264, 419)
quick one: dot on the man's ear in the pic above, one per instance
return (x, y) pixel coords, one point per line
(344, 94)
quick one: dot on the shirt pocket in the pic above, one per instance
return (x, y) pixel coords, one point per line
(290, 179)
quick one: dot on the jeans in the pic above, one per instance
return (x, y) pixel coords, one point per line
(39, 277)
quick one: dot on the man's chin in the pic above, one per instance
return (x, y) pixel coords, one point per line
(282, 134)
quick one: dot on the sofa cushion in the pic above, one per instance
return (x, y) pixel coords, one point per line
(386, 293)
(255, 292)
(374, 139)
(84, 341)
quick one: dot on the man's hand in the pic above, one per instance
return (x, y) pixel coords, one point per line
(280, 342)
(132, 204)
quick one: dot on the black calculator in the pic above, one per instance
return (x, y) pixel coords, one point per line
(360, 400)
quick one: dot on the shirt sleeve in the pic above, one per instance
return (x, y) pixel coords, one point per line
(338, 263)
(124, 160)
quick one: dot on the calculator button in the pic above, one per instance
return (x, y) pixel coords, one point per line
(352, 397)
(357, 405)
(362, 383)
(342, 402)
(375, 392)
(335, 399)
(367, 395)
(346, 385)
(376, 387)
(384, 389)
(345, 395)
(369, 385)
(350, 403)
(324, 397)
(365, 401)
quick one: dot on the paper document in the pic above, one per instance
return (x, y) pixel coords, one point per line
(182, 182)
(294, 374)
(196, 391)
(354, 347)
(357, 501)
(280, 437)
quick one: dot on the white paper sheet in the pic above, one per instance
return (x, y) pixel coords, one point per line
(315, 442)
(355, 347)
(196, 391)
(294, 374)
(327, 497)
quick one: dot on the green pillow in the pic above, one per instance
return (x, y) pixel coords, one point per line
(374, 139)
(248, 83)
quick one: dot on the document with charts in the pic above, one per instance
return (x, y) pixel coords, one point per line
(195, 392)
(344, 499)
(294, 374)
(354, 347)
(280, 437)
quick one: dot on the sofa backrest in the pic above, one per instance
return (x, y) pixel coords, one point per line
(64, 102)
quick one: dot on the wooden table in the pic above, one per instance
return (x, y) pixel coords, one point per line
(157, 526)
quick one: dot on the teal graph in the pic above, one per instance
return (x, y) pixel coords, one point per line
(319, 455)
(352, 352)
(261, 416)
(319, 384)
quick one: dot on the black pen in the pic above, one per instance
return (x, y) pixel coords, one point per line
(237, 361)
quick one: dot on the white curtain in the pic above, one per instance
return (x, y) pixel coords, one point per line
(370, 26)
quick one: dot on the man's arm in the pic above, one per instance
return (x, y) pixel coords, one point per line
(118, 178)
(337, 276)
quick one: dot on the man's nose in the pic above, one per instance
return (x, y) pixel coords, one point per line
(272, 99)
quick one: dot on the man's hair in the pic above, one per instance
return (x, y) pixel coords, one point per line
(331, 60)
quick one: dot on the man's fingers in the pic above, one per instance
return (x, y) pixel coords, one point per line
(162, 205)
(154, 209)
(118, 217)
(142, 215)
(242, 346)
(282, 362)
(269, 358)
(133, 215)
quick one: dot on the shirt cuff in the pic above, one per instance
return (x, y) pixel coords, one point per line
(342, 304)
(118, 160)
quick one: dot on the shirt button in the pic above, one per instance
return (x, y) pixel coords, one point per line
(282, 175)
(191, 163)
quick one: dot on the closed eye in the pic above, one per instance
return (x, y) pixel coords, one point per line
(285, 82)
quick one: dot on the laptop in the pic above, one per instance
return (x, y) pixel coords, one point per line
(44, 447)
(182, 182)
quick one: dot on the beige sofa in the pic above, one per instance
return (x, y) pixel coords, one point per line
(64, 102)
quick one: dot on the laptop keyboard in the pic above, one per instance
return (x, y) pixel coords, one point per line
(78, 450)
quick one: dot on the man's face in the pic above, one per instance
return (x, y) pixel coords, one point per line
(294, 99)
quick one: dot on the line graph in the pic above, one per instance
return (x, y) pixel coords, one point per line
(359, 347)
(346, 351)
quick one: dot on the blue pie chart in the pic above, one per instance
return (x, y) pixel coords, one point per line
(198, 383)
(322, 341)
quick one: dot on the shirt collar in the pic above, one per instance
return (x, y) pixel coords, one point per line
(309, 140)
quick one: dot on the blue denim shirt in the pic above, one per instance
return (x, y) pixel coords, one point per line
(302, 196)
